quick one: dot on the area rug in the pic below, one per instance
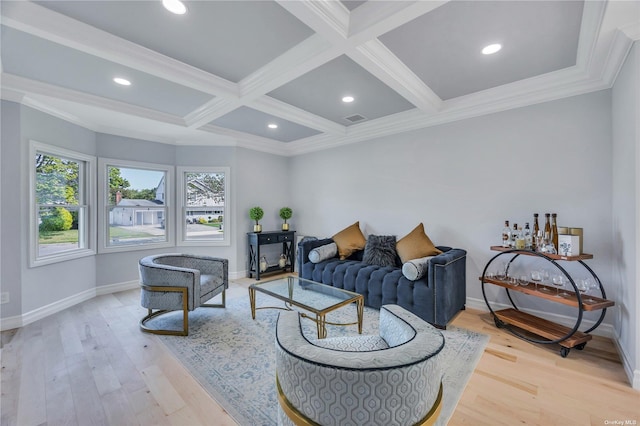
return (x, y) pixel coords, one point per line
(233, 356)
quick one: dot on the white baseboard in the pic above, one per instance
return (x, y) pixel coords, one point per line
(18, 321)
(45, 311)
(60, 305)
(632, 375)
(236, 275)
(114, 288)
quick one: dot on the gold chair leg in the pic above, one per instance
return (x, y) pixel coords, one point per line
(217, 305)
(150, 314)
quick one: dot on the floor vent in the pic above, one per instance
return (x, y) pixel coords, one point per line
(355, 118)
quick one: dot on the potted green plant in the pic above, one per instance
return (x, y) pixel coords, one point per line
(256, 213)
(285, 213)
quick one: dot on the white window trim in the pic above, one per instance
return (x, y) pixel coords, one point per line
(87, 186)
(103, 216)
(181, 228)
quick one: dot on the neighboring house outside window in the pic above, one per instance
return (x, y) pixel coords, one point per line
(61, 192)
(203, 199)
(133, 204)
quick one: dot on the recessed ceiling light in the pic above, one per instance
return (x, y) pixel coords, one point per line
(491, 49)
(175, 6)
(347, 99)
(122, 81)
(272, 125)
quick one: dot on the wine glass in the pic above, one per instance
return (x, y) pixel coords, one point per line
(503, 271)
(536, 277)
(523, 280)
(545, 274)
(590, 284)
(583, 287)
(558, 283)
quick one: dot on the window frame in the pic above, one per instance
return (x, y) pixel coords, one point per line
(181, 206)
(103, 205)
(86, 205)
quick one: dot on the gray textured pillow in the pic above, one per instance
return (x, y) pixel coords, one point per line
(324, 252)
(380, 250)
(415, 269)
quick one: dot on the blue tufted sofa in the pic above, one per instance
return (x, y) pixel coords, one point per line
(436, 297)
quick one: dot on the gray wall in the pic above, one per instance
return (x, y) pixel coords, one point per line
(265, 182)
(462, 180)
(256, 179)
(626, 208)
(11, 209)
(39, 287)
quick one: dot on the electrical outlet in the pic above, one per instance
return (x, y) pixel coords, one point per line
(4, 297)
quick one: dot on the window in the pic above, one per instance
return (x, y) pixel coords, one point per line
(61, 194)
(134, 205)
(203, 198)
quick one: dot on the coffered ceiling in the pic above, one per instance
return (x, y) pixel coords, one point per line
(225, 70)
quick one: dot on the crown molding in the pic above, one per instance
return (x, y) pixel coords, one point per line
(602, 50)
(8, 94)
(207, 112)
(632, 31)
(132, 133)
(244, 140)
(620, 47)
(592, 16)
(34, 88)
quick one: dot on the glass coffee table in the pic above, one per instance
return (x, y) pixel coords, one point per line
(311, 296)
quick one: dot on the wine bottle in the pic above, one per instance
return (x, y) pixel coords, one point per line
(506, 234)
(514, 233)
(547, 224)
(520, 242)
(528, 238)
(554, 230)
(536, 229)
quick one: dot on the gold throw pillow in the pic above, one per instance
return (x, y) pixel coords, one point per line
(349, 240)
(416, 244)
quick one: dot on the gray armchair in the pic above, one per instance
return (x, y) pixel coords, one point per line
(391, 379)
(184, 282)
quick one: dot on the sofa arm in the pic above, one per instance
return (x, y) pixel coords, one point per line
(447, 276)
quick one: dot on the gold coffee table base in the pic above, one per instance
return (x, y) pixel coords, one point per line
(291, 291)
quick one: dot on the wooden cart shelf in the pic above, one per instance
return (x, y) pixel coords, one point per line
(583, 256)
(589, 303)
(542, 327)
(548, 331)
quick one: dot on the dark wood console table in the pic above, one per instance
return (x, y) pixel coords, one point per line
(257, 239)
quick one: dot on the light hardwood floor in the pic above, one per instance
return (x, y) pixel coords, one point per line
(91, 365)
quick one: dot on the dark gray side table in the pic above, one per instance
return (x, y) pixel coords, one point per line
(257, 239)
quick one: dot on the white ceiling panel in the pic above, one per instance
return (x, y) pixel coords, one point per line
(64, 67)
(443, 48)
(320, 92)
(245, 119)
(228, 38)
(219, 73)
